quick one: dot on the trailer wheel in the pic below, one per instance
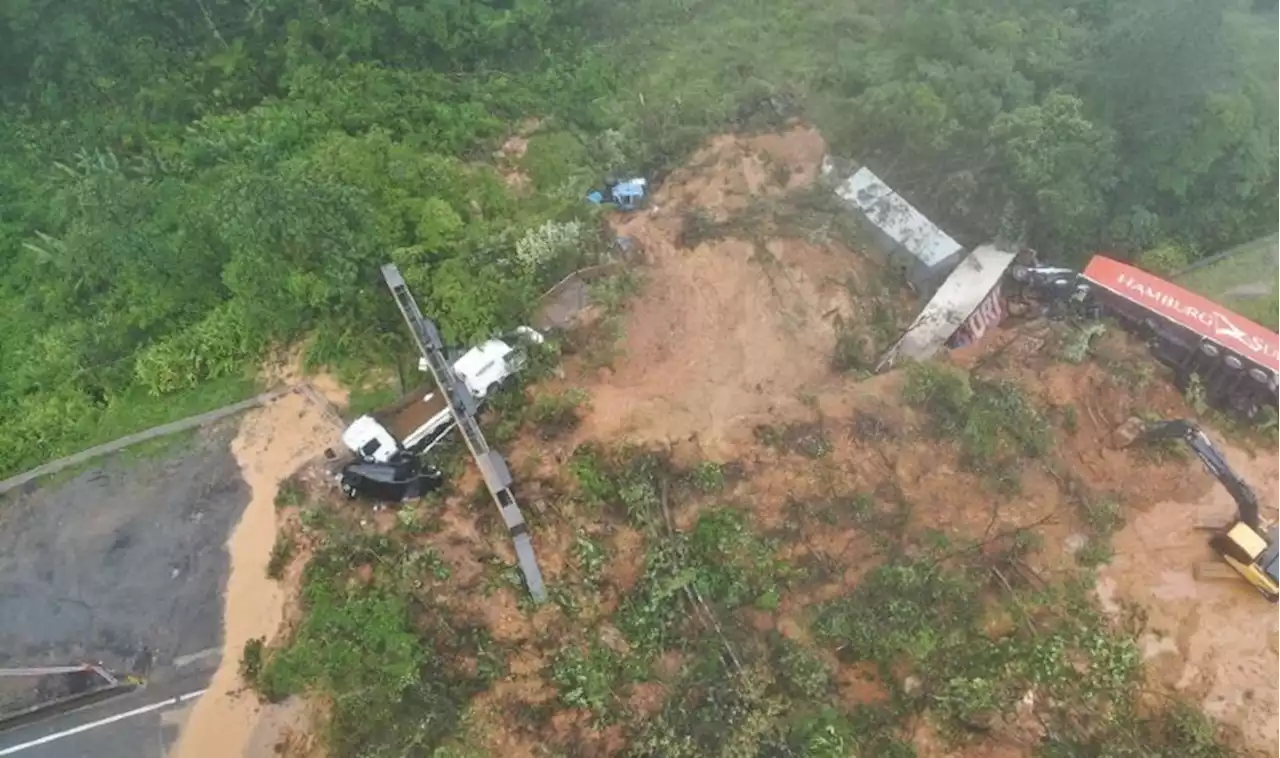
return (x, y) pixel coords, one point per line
(1247, 407)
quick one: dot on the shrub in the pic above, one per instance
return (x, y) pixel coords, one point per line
(555, 414)
(707, 477)
(588, 555)
(290, 494)
(542, 247)
(849, 353)
(281, 555)
(252, 658)
(993, 420)
(1164, 260)
(587, 679)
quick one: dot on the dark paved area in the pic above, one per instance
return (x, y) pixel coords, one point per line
(124, 557)
(142, 735)
(127, 555)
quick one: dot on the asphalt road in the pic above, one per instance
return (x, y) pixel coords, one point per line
(141, 724)
(126, 557)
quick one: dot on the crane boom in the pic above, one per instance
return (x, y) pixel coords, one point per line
(1214, 461)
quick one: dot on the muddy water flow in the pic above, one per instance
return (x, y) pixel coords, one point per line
(1213, 641)
(272, 444)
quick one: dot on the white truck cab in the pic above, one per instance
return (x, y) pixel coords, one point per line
(422, 417)
(486, 366)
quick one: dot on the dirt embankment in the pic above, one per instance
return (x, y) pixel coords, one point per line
(1212, 641)
(730, 332)
(271, 445)
(735, 333)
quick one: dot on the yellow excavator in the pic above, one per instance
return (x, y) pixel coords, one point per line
(1246, 544)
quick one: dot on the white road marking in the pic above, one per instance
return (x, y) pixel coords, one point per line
(187, 660)
(101, 722)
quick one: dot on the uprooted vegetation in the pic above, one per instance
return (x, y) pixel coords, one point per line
(692, 616)
(994, 422)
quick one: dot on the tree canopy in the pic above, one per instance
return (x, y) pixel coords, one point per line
(185, 184)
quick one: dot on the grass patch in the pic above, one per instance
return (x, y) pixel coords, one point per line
(291, 494)
(1075, 341)
(807, 439)
(706, 477)
(282, 553)
(854, 352)
(589, 677)
(926, 619)
(628, 480)
(724, 562)
(994, 422)
(1103, 518)
(1243, 267)
(612, 293)
(556, 414)
(251, 659)
(555, 161)
(381, 653)
(589, 557)
(365, 399)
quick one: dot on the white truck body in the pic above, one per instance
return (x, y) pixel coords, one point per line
(423, 416)
(955, 301)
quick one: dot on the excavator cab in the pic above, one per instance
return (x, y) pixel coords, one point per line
(1249, 547)
(1253, 556)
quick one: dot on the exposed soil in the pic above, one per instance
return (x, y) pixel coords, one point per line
(729, 333)
(724, 339)
(1214, 641)
(726, 354)
(271, 444)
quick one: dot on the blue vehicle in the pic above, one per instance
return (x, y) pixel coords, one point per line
(628, 195)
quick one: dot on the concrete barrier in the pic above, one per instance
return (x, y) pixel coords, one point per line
(163, 430)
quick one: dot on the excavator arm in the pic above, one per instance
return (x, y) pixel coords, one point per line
(1250, 551)
(1214, 461)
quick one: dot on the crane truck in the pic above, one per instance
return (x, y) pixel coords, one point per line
(1246, 544)
(421, 418)
(387, 445)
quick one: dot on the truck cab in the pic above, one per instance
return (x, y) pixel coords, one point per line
(422, 417)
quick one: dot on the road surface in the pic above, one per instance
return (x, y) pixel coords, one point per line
(120, 559)
(141, 724)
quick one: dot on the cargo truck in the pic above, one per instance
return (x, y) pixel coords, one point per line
(421, 418)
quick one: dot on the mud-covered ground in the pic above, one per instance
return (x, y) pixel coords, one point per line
(726, 355)
(1214, 642)
(127, 555)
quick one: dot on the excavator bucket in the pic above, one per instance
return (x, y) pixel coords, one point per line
(1210, 571)
(1125, 434)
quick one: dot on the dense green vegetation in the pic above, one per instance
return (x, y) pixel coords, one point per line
(184, 185)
